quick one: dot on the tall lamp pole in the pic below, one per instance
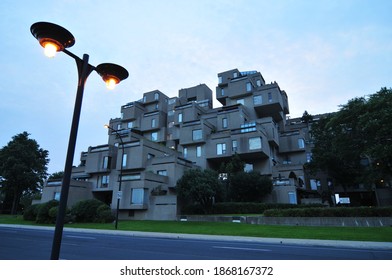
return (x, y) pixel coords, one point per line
(121, 171)
(55, 38)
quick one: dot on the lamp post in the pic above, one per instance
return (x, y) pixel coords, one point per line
(55, 38)
(121, 171)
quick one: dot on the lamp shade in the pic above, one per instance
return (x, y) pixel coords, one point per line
(46, 32)
(110, 71)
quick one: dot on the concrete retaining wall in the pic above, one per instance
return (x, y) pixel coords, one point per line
(295, 221)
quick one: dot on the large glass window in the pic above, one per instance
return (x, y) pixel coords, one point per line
(124, 160)
(137, 196)
(292, 198)
(255, 143)
(104, 181)
(197, 134)
(257, 99)
(106, 162)
(198, 151)
(301, 143)
(248, 86)
(185, 152)
(224, 123)
(221, 148)
(156, 96)
(234, 145)
(154, 136)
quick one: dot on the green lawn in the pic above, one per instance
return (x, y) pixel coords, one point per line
(382, 234)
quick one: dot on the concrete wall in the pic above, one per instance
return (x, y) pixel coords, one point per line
(295, 221)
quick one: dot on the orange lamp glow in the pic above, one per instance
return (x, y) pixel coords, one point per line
(50, 48)
(111, 81)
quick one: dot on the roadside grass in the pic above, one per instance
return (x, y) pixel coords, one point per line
(381, 234)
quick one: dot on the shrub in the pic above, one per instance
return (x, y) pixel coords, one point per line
(43, 216)
(104, 214)
(30, 213)
(86, 211)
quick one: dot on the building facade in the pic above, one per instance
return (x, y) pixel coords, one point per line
(158, 137)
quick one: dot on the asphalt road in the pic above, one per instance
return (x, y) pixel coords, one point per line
(27, 243)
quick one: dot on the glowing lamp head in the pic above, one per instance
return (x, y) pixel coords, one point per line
(111, 81)
(111, 73)
(52, 37)
(50, 48)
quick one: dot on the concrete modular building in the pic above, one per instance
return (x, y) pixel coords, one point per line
(158, 137)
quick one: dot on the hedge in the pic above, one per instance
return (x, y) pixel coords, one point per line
(331, 212)
(242, 208)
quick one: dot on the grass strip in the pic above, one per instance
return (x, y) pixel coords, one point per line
(381, 234)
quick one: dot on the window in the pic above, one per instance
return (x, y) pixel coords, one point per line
(122, 115)
(221, 148)
(153, 123)
(254, 143)
(248, 86)
(180, 117)
(171, 124)
(104, 181)
(124, 160)
(269, 97)
(144, 99)
(222, 91)
(185, 152)
(292, 198)
(234, 145)
(119, 126)
(224, 123)
(106, 162)
(56, 196)
(130, 125)
(257, 100)
(241, 101)
(162, 172)
(156, 96)
(130, 177)
(197, 134)
(235, 75)
(258, 82)
(220, 80)
(301, 143)
(248, 127)
(248, 167)
(154, 136)
(137, 196)
(198, 151)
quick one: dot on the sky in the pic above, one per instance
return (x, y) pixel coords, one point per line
(322, 53)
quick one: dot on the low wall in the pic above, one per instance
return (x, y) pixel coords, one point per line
(294, 221)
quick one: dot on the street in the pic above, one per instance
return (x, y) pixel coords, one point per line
(35, 244)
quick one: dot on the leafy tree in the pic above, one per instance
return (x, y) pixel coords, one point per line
(23, 166)
(200, 186)
(249, 186)
(354, 145)
(56, 175)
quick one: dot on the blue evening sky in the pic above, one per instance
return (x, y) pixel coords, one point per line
(322, 53)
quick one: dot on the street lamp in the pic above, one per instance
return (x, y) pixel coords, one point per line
(121, 171)
(55, 38)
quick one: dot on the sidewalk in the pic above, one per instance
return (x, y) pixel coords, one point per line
(286, 241)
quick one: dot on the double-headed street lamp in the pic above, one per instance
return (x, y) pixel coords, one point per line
(119, 194)
(55, 38)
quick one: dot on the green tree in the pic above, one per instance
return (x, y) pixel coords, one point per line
(200, 186)
(354, 145)
(23, 166)
(249, 186)
(56, 175)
